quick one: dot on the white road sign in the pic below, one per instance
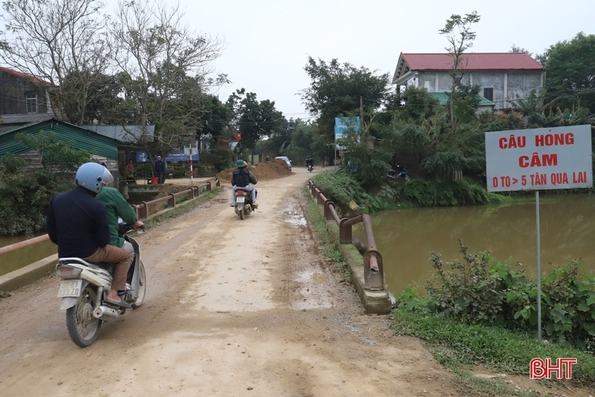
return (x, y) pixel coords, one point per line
(539, 159)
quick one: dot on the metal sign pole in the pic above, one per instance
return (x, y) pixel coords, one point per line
(538, 266)
(191, 171)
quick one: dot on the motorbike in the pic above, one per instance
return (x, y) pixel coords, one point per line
(84, 288)
(310, 167)
(398, 172)
(243, 205)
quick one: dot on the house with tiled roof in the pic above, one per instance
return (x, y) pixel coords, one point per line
(502, 77)
(21, 93)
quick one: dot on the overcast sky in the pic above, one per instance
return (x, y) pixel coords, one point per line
(268, 41)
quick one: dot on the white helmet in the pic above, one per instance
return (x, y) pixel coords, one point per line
(90, 176)
(108, 178)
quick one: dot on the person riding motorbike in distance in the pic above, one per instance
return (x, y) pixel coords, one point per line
(309, 161)
(78, 223)
(243, 177)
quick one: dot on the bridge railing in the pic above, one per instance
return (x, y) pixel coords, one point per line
(373, 266)
(143, 211)
(147, 208)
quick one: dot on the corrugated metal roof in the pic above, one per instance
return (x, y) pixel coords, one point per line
(69, 134)
(472, 62)
(129, 133)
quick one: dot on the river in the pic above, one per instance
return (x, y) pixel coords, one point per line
(406, 238)
(23, 256)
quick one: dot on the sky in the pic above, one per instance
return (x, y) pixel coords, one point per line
(268, 42)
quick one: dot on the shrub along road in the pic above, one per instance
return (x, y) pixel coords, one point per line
(233, 308)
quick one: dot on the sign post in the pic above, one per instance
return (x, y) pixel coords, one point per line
(539, 159)
(342, 125)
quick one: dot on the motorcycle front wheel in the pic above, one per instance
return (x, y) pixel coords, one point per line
(82, 327)
(142, 286)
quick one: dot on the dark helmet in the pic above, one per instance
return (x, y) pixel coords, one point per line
(90, 176)
(240, 163)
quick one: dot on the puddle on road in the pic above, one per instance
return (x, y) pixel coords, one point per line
(312, 279)
(295, 218)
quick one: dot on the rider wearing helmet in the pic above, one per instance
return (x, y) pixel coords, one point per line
(77, 223)
(117, 207)
(242, 177)
(309, 161)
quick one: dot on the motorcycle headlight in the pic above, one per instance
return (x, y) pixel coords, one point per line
(66, 272)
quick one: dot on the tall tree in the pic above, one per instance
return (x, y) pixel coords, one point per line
(254, 119)
(340, 90)
(217, 119)
(167, 67)
(570, 70)
(460, 38)
(63, 42)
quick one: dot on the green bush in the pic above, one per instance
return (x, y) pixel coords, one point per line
(26, 196)
(143, 171)
(480, 290)
(432, 193)
(340, 187)
(220, 157)
(180, 170)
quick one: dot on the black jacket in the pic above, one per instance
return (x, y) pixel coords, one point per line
(242, 177)
(77, 223)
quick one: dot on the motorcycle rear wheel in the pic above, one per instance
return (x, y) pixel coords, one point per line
(406, 177)
(82, 327)
(142, 286)
(242, 213)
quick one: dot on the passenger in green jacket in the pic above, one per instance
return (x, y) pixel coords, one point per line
(117, 207)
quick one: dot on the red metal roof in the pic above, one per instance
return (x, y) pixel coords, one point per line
(25, 76)
(472, 62)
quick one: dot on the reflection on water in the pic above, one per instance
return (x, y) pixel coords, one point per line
(406, 238)
(24, 256)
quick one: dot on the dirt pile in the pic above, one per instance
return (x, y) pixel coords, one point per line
(263, 171)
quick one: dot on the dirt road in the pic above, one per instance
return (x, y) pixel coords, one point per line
(233, 308)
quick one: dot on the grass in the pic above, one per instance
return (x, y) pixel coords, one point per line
(327, 243)
(459, 347)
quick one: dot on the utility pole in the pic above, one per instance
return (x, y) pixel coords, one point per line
(361, 114)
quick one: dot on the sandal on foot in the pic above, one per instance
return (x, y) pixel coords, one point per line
(121, 303)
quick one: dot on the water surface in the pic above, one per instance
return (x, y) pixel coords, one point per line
(406, 238)
(23, 256)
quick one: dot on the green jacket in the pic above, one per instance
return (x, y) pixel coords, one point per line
(117, 206)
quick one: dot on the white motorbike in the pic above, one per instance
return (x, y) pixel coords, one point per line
(84, 288)
(243, 205)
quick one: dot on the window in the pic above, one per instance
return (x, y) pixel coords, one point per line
(488, 93)
(31, 99)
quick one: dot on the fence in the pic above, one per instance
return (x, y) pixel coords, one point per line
(373, 267)
(147, 208)
(143, 210)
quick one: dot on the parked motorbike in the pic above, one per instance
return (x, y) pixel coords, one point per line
(398, 172)
(310, 167)
(84, 288)
(243, 205)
